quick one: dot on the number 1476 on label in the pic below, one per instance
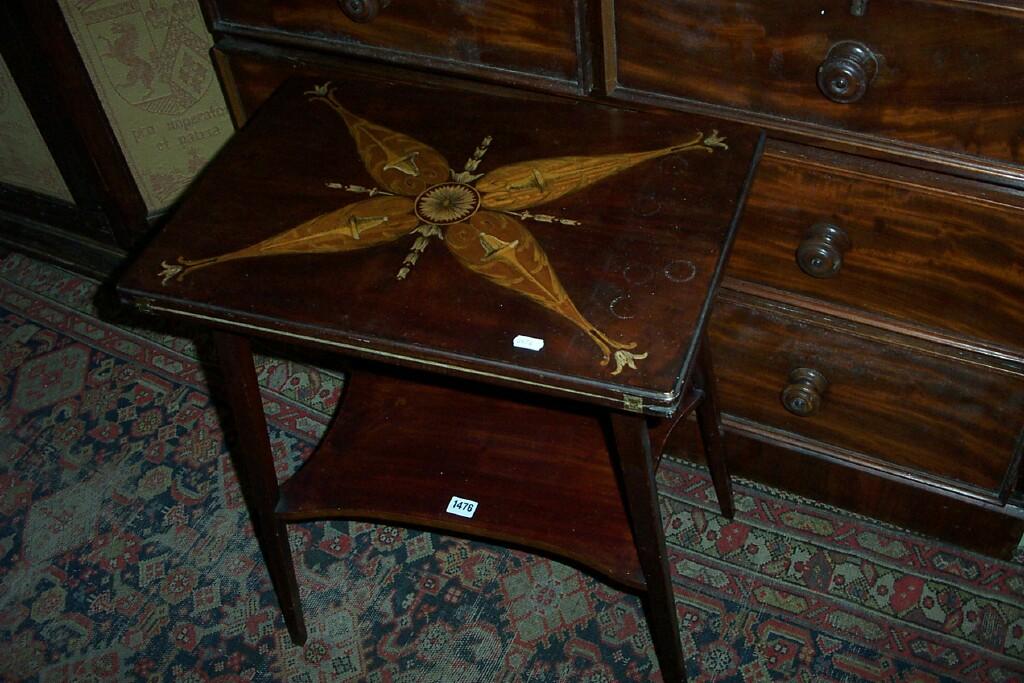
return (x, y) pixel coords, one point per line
(463, 507)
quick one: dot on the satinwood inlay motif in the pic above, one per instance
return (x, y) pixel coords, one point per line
(478, 216)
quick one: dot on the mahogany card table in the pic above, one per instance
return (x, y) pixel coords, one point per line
(520, 284)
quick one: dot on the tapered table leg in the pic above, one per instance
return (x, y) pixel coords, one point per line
(633, 448)
(254, 464)
(709, 423)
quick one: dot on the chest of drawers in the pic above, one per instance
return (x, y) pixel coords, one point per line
(870, 330)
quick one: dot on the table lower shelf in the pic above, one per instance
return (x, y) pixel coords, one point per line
(542, 476)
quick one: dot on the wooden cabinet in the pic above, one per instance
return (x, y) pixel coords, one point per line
(881, 248)
(883, 243)
(92, 225)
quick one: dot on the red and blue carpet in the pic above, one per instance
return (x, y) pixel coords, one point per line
(126, 551)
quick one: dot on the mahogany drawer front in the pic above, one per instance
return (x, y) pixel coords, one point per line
(949, 74)
(916, 410)
(931, 255)
(533, 37)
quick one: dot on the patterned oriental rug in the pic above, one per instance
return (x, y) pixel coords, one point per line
(126, 552)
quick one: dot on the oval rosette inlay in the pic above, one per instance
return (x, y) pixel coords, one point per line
(447, 203)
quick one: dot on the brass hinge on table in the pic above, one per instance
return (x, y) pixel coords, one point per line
(633, 404)
(143, 305)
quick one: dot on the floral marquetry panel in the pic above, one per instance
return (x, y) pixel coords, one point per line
(441, 228)
(150, 66)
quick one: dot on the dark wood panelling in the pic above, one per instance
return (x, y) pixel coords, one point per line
(55, 212)
(509, 40)
(53, 230)
(251, 71)
(108, 215)
(40, 51)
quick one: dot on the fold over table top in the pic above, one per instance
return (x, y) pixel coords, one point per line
(552, 244)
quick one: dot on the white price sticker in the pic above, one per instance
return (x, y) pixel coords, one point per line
(462, 507)
(532, 343)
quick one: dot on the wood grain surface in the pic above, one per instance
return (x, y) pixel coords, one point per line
(508, 40)
(949, 73)
(932, 254)
(893, 404)
(542, 478)
(635, 241)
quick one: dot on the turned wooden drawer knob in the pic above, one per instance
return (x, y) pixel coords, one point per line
(803, 392)
(363, 11)
(820, 254)
(847, 72)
